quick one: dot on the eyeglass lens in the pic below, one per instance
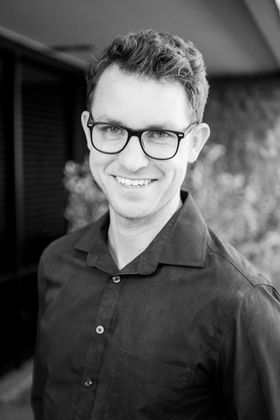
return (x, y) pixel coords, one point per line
(156, 143)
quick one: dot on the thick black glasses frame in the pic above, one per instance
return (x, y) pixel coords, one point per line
(137, 133)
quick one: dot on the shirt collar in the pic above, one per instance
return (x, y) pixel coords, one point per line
(181, 242)
(188, 241)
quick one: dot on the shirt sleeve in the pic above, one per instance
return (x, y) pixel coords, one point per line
(250, 360)
(39, 376)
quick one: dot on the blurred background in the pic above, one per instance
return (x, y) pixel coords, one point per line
(45, 186)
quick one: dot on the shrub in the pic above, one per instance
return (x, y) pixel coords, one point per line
(243, 208)
(86, 202)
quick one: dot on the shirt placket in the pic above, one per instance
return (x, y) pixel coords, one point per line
(93, 389)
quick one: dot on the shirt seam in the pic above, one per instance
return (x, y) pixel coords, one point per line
(249, 290)
(240, 311)
(247, 277)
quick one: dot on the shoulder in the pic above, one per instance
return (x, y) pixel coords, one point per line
(58, 263)
(67, 242)
(238, 280)
(63, 254)
(240, 297)
(79, 240)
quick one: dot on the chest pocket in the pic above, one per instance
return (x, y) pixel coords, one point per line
(146, 389)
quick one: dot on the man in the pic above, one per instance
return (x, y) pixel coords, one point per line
(146, 314)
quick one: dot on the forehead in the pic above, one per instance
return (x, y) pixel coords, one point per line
(136, 99)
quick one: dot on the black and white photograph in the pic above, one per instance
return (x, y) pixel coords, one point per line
(140, 210)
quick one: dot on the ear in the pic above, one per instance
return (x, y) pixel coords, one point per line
(84, 120)
(201, 134)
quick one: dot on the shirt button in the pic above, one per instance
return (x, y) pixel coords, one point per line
(100, 329)
(116, 279)
(88, 383)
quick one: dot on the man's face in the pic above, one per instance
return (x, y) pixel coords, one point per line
(138, 103)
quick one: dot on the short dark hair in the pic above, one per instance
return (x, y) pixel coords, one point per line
(158, 55)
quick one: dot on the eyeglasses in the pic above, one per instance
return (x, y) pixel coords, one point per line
(156, 143)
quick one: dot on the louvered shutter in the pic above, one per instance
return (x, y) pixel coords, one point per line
(45, 151)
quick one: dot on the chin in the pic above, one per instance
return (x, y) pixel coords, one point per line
(131, 213)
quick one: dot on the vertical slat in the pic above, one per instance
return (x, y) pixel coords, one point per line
(45, 139)
(13, 168)
(18, 160)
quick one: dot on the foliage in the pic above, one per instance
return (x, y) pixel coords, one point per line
(86, 202)
(243, 208)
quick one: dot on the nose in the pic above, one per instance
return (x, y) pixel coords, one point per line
(132, 157)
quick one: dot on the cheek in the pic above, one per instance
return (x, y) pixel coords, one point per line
(96, 167)
(92, 164)
(98, 162)
(180, 175)
(176, 170)
(182, 162)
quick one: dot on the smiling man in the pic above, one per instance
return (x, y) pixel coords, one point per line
(146, 314)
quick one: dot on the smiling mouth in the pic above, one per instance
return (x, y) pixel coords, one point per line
(133, 182)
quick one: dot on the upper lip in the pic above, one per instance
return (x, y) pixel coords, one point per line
(133, 178)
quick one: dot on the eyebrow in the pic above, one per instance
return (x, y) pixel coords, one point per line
(148, 127)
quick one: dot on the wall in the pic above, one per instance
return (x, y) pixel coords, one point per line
(241, 111)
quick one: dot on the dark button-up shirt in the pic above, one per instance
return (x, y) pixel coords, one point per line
(188, 330)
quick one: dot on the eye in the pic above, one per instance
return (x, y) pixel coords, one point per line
(158, 134)
(112, 131)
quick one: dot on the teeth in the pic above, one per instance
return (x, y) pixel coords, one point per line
(133, 182)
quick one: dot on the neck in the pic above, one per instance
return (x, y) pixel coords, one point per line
(127, 238)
